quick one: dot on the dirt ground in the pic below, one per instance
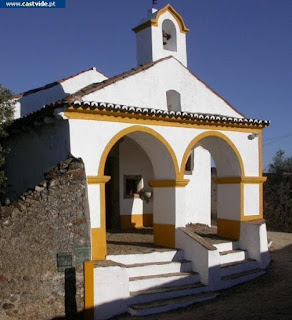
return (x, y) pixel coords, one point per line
(267, 297)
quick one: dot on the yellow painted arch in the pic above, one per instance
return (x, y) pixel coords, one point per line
(175, 14)
(132, 129)
(154, 22)
(205, 135)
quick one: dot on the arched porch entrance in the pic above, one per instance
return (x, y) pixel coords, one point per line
(230, 170)
(143, 169)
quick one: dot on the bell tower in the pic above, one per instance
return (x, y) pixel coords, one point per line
(162, 33)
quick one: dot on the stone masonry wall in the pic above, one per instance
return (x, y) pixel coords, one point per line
(53, 218)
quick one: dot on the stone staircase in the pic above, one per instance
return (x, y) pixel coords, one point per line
(235, 265)
(161, 281)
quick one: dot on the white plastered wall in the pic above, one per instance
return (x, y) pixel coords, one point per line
(144, 49)
(32, 152)
(134, 161)
(34, 101)
(198, 190)
(147, 89)
(228, 201)
(114, 296)
(251, 205)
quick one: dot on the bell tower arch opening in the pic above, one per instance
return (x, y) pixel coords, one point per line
(169, 40)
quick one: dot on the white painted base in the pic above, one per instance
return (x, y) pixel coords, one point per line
(157, 256)
(162, 281)
(167, 305)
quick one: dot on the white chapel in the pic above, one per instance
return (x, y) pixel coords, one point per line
(147, 138)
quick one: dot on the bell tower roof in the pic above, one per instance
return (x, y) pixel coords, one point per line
(162, 33)
(153, 17)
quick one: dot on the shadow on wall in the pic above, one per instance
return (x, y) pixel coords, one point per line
(264, 287)
(35, 99)
(34, 149)
(35, 144)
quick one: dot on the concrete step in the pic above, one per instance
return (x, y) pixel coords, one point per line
(233, 256)
(156, 256)
(167, 292)
(232, 280)
(227, 245)
(156, 268)
(228, 269)
(145, 309)
(163, 280)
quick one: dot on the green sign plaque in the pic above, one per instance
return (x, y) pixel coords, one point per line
(82, 254)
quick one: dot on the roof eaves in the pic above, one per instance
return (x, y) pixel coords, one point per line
(52, 84)
(204, 117)
(100, 85)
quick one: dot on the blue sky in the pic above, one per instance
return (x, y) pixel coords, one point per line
(241, 48)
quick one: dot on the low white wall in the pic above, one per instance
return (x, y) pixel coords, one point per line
(113, 298)
(253, 238)
(205, 262)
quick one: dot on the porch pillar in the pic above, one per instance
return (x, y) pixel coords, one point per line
(238, 199)
(96, 199)
(167, 210)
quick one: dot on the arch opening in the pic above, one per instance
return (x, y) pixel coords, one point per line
(133, 159)
(169, 38)
(207, 202)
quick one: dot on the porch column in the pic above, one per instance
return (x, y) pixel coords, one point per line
(96, 200)
(167, 210)
(252, 198)
(238, 199)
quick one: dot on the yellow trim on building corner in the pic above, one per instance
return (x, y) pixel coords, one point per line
(168, 183)
(88, 290)
(260, 151)
(229, 229)
(164, 235)
(251, 218)
(97, 179)
(98, 235)
(261, 200)
(98, 243)
(154, 22)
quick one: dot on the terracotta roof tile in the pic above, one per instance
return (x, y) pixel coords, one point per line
(151, 113)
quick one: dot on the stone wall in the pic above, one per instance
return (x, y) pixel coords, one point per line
(53, 218)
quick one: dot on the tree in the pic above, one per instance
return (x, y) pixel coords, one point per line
(6, 116)
(278, 193)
